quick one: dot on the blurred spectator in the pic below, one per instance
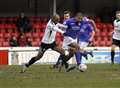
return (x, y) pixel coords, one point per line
(13, 41)
(29, 42)
(23, 23)
(22, 40)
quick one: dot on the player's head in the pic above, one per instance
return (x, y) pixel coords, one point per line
(66, 15)
(118, 15)
(22, 15)
(14, 38)
(55, 18)
(78, 16)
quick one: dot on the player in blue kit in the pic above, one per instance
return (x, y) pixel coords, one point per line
(85, 36)
(70, 36)
(67, 39)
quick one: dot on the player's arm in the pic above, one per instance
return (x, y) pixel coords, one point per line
(55, 28)
(92, 35)
(94, 25)
(92, 32)
(62, 26)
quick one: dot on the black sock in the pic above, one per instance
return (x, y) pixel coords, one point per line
(112, 56)
(64, 62)
(33, 60)
(58, 62)
(71, 68)
(66, 65)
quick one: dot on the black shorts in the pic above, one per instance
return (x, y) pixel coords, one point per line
(116, 42)
(44, 47)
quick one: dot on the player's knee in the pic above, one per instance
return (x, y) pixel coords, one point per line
(113, 47)
(76, 46)
(39, 56)
(72, 50)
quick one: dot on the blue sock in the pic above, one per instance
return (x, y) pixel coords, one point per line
(78, 57)
(86, 53)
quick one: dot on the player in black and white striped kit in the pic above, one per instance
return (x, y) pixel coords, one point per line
(116, 36)
(48, 41)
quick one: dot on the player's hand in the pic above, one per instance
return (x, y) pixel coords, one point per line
(90, 40)
(111, 33)
(97, 30)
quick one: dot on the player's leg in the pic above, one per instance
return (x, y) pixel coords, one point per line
(81, 52)
(84, 52)
(65, 60)
(115, 43)
(75, 49)
(68, 44)
(57, 63)
(119, 49)
(61, 50)
(113, 53)
(34, 59)
(78, 57)
(65, 55)
(65, 47)
(42, 49)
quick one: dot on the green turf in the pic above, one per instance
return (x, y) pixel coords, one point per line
(41, 76)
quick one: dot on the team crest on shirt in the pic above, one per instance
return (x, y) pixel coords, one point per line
(72, 23)
(75, 28)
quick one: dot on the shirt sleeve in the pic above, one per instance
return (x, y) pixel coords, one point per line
(66, 23)
(90, 28)
(55, 28)
(85, 19)
(62, 26)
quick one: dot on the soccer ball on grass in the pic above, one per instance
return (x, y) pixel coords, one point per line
(82, 67)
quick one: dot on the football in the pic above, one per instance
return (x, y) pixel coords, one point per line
(82, 67)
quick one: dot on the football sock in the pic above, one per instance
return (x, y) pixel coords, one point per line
(71, 68)
(58, 61)
(112, 56)
(33, 60)
(78, 57)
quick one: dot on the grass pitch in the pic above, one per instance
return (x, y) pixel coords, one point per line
(41, 76)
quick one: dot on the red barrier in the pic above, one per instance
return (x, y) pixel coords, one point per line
(3, 57)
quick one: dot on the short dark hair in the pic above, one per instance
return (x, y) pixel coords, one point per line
(67, 12)
(117, 12)
(55, 17)
(79, 14)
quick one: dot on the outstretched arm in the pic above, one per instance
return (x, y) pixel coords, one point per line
(94, 25)
(55, 28)
(61, 26)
